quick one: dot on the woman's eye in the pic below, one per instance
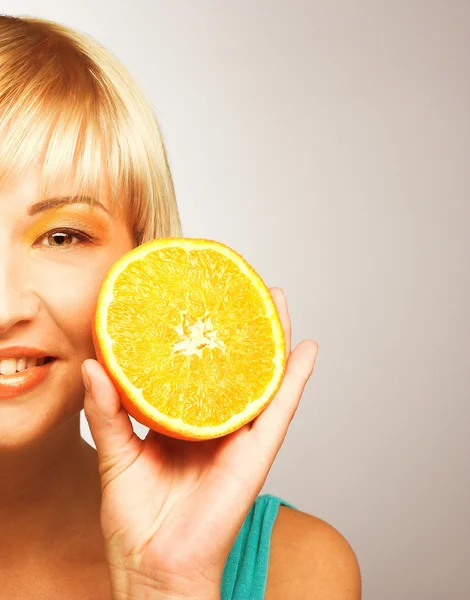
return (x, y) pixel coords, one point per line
(62, 238)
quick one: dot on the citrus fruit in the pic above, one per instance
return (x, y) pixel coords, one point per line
(190, 336)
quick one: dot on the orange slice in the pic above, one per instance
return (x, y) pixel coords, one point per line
(190, 336)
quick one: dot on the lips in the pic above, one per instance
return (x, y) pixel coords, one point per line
(19, 383)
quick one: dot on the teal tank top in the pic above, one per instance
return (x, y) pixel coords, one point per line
(246, 569)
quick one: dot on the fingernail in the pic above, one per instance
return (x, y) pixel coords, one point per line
(86, 379)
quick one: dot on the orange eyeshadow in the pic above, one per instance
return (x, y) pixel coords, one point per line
(85, 219)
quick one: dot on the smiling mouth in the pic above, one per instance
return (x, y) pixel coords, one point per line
(39, 363)
(20, 382)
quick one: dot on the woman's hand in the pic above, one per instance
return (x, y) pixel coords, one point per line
(172, 509)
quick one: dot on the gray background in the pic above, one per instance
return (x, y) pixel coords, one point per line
(329, 143)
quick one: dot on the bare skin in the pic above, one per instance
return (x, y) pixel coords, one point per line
(49, 480)
(52, 544)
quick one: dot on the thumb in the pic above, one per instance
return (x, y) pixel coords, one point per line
(111, 428)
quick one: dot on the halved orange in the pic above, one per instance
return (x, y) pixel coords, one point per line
(190, 336)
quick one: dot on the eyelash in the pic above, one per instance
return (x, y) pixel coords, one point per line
(80, 235)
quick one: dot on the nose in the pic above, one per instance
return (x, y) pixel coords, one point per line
(17, 301)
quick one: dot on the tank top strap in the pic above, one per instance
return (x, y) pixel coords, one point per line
(246, 569)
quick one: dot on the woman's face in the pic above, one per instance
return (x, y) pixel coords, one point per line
(52, 264)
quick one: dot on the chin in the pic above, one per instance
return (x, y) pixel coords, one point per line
(25, 425)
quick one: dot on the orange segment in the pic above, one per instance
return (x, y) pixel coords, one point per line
(191, 337)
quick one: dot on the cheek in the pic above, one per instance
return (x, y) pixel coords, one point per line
(70, 293)
(77, 313)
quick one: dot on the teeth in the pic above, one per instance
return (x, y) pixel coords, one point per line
(9, 366)
(31, 362)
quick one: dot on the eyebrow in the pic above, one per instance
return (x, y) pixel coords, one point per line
(44, 205)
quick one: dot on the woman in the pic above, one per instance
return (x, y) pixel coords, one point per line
(84, 178)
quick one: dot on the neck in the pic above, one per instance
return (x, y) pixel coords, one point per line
(50, 497)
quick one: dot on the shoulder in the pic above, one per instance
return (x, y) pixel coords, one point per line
(310, 559)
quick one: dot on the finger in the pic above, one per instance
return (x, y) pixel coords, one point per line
(111, 428)
(281, 305)
(270, 427)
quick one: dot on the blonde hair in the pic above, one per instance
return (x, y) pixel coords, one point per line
(69, 102)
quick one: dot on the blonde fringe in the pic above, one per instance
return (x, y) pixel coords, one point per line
(69, 103)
